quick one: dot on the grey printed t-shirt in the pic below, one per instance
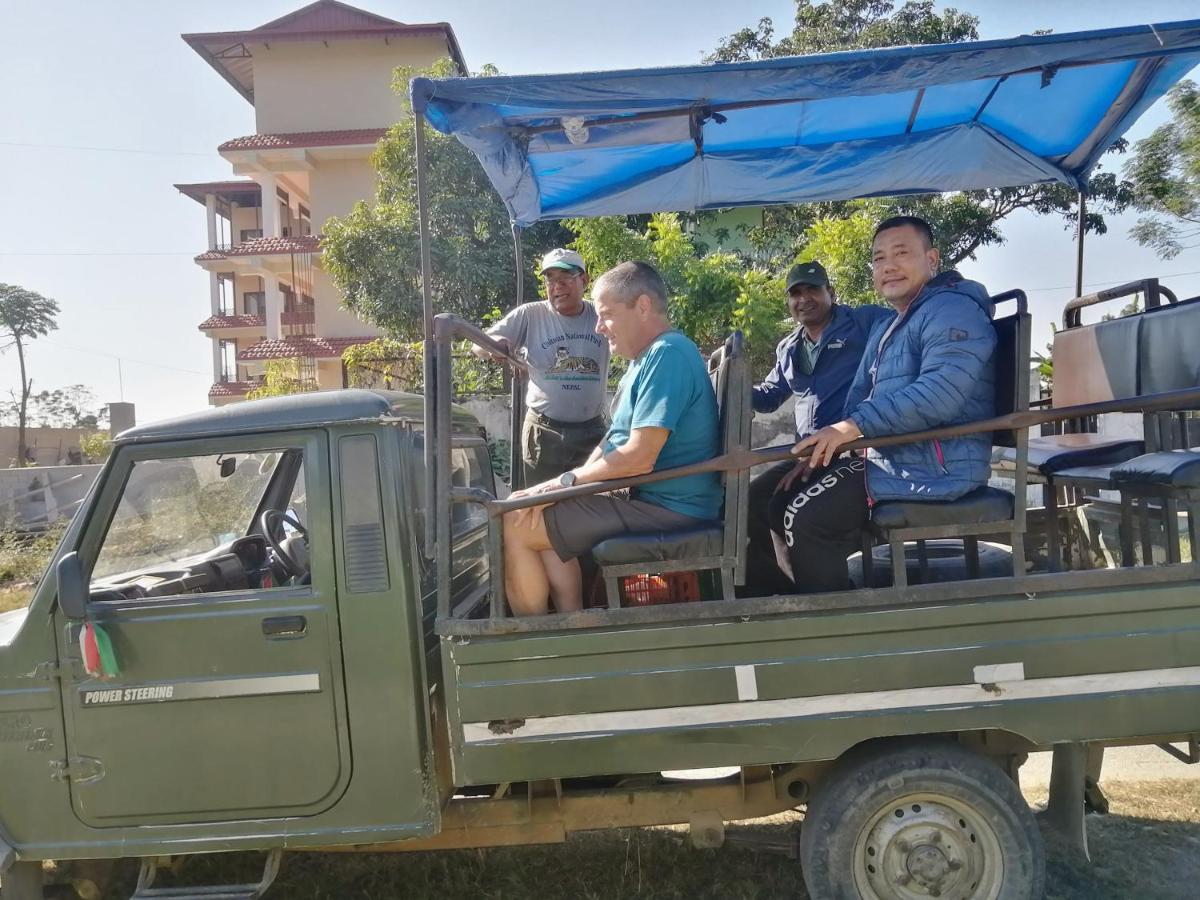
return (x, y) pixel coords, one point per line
(569, 361)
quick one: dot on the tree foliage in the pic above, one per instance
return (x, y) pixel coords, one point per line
(373, 253)
(24, 316)
(74, 406)
(281, 377)
(1165, 171)
(710, 293)
(963, 222)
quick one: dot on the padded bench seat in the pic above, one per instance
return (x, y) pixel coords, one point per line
(661, 546)
(985, 504)
(1050, 454)
(1166, 468)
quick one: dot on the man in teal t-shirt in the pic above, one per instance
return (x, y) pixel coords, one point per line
(666, 416)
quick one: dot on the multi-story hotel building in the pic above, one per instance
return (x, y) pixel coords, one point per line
(320, 80)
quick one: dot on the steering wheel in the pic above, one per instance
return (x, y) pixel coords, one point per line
(269, 521)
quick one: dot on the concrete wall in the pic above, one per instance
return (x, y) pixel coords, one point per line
(304, 86)
(42, 494)
(50, 445)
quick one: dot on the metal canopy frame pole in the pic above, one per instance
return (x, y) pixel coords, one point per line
(516, 471)
(1079, 244)
(430, 367)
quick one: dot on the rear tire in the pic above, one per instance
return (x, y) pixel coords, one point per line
(22, 882)
(908, 820)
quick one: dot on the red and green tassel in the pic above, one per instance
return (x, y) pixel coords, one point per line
(99, 659)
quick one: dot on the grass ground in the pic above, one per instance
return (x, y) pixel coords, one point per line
(1145, 849)
(14, 596)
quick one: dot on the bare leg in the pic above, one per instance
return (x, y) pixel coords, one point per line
(566, 582)
(525, 579)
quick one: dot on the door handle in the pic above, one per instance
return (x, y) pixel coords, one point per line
(285, 626)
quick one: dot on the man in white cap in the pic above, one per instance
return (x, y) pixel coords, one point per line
(568, 363)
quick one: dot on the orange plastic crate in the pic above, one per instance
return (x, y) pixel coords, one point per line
(652, 590)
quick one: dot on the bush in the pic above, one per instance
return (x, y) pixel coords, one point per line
(24, 555)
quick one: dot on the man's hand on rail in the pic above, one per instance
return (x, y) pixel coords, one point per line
(826, 442)
(525, 517)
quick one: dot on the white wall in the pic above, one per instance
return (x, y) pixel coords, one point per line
(302, 86)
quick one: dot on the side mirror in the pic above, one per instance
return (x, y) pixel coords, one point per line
(72, 592)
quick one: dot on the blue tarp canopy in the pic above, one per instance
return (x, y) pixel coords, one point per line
(863, 123)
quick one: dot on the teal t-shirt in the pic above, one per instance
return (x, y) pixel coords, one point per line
(667, 386)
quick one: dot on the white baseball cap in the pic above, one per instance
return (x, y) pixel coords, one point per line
(558, 258)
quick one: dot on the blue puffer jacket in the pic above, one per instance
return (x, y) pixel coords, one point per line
(933, 368)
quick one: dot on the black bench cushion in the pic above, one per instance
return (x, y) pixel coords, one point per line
(660, 546)
(985, 504)
(1053, 452)
(1171, 468)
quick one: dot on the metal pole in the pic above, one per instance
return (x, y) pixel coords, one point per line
(516, 472)
(1079, 245)
(430, 368)
(441, 481)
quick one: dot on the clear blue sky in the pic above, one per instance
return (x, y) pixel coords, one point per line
(103, 108)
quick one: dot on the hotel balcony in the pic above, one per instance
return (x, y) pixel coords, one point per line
(270, 254)
(234, 326)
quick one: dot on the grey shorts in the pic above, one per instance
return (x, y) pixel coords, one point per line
(577, 525)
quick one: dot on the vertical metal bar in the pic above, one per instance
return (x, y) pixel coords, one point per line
(1143, 502)
(442, 336)
(516, 477)
(1079, 245)
(1170, 508)
(430, 364)
(499, 602)
(971, 552)
(1126, 529)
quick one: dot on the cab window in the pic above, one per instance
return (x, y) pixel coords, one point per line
(208, 523)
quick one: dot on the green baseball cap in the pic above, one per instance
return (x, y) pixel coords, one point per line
(807, 273)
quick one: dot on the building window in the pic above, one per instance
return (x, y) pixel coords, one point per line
(228, 361)
(255, 303)
(225, 293)
(249, 234)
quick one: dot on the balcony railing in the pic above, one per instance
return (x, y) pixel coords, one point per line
(298, 317)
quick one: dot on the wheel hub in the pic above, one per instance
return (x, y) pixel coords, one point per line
(926, 846)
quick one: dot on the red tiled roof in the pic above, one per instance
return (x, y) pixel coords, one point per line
(297, 139)
(231, 53)
(291, 348)
(230, 389)
(233, 322)
(266, 246)
(211, 254)
(221, 189)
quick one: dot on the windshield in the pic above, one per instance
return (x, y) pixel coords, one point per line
(172, 509)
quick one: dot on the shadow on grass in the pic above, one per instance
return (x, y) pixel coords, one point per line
(1133, 858)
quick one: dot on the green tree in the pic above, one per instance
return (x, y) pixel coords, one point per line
(74, 406)
(1165, 171)
(281, 377)
(24, 316)
(373, 253)
(963, 222)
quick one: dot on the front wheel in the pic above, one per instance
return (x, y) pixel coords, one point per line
(913, 820)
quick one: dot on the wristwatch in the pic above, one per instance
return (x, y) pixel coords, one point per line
(568, 478)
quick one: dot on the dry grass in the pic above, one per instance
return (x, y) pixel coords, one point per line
(15, 595)
(1145, 849)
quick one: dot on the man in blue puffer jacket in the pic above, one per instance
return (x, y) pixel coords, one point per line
(928, 366)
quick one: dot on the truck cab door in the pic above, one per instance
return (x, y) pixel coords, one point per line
(222, 697)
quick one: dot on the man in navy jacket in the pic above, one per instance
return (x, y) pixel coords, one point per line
(930, 365)
(815, 364)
